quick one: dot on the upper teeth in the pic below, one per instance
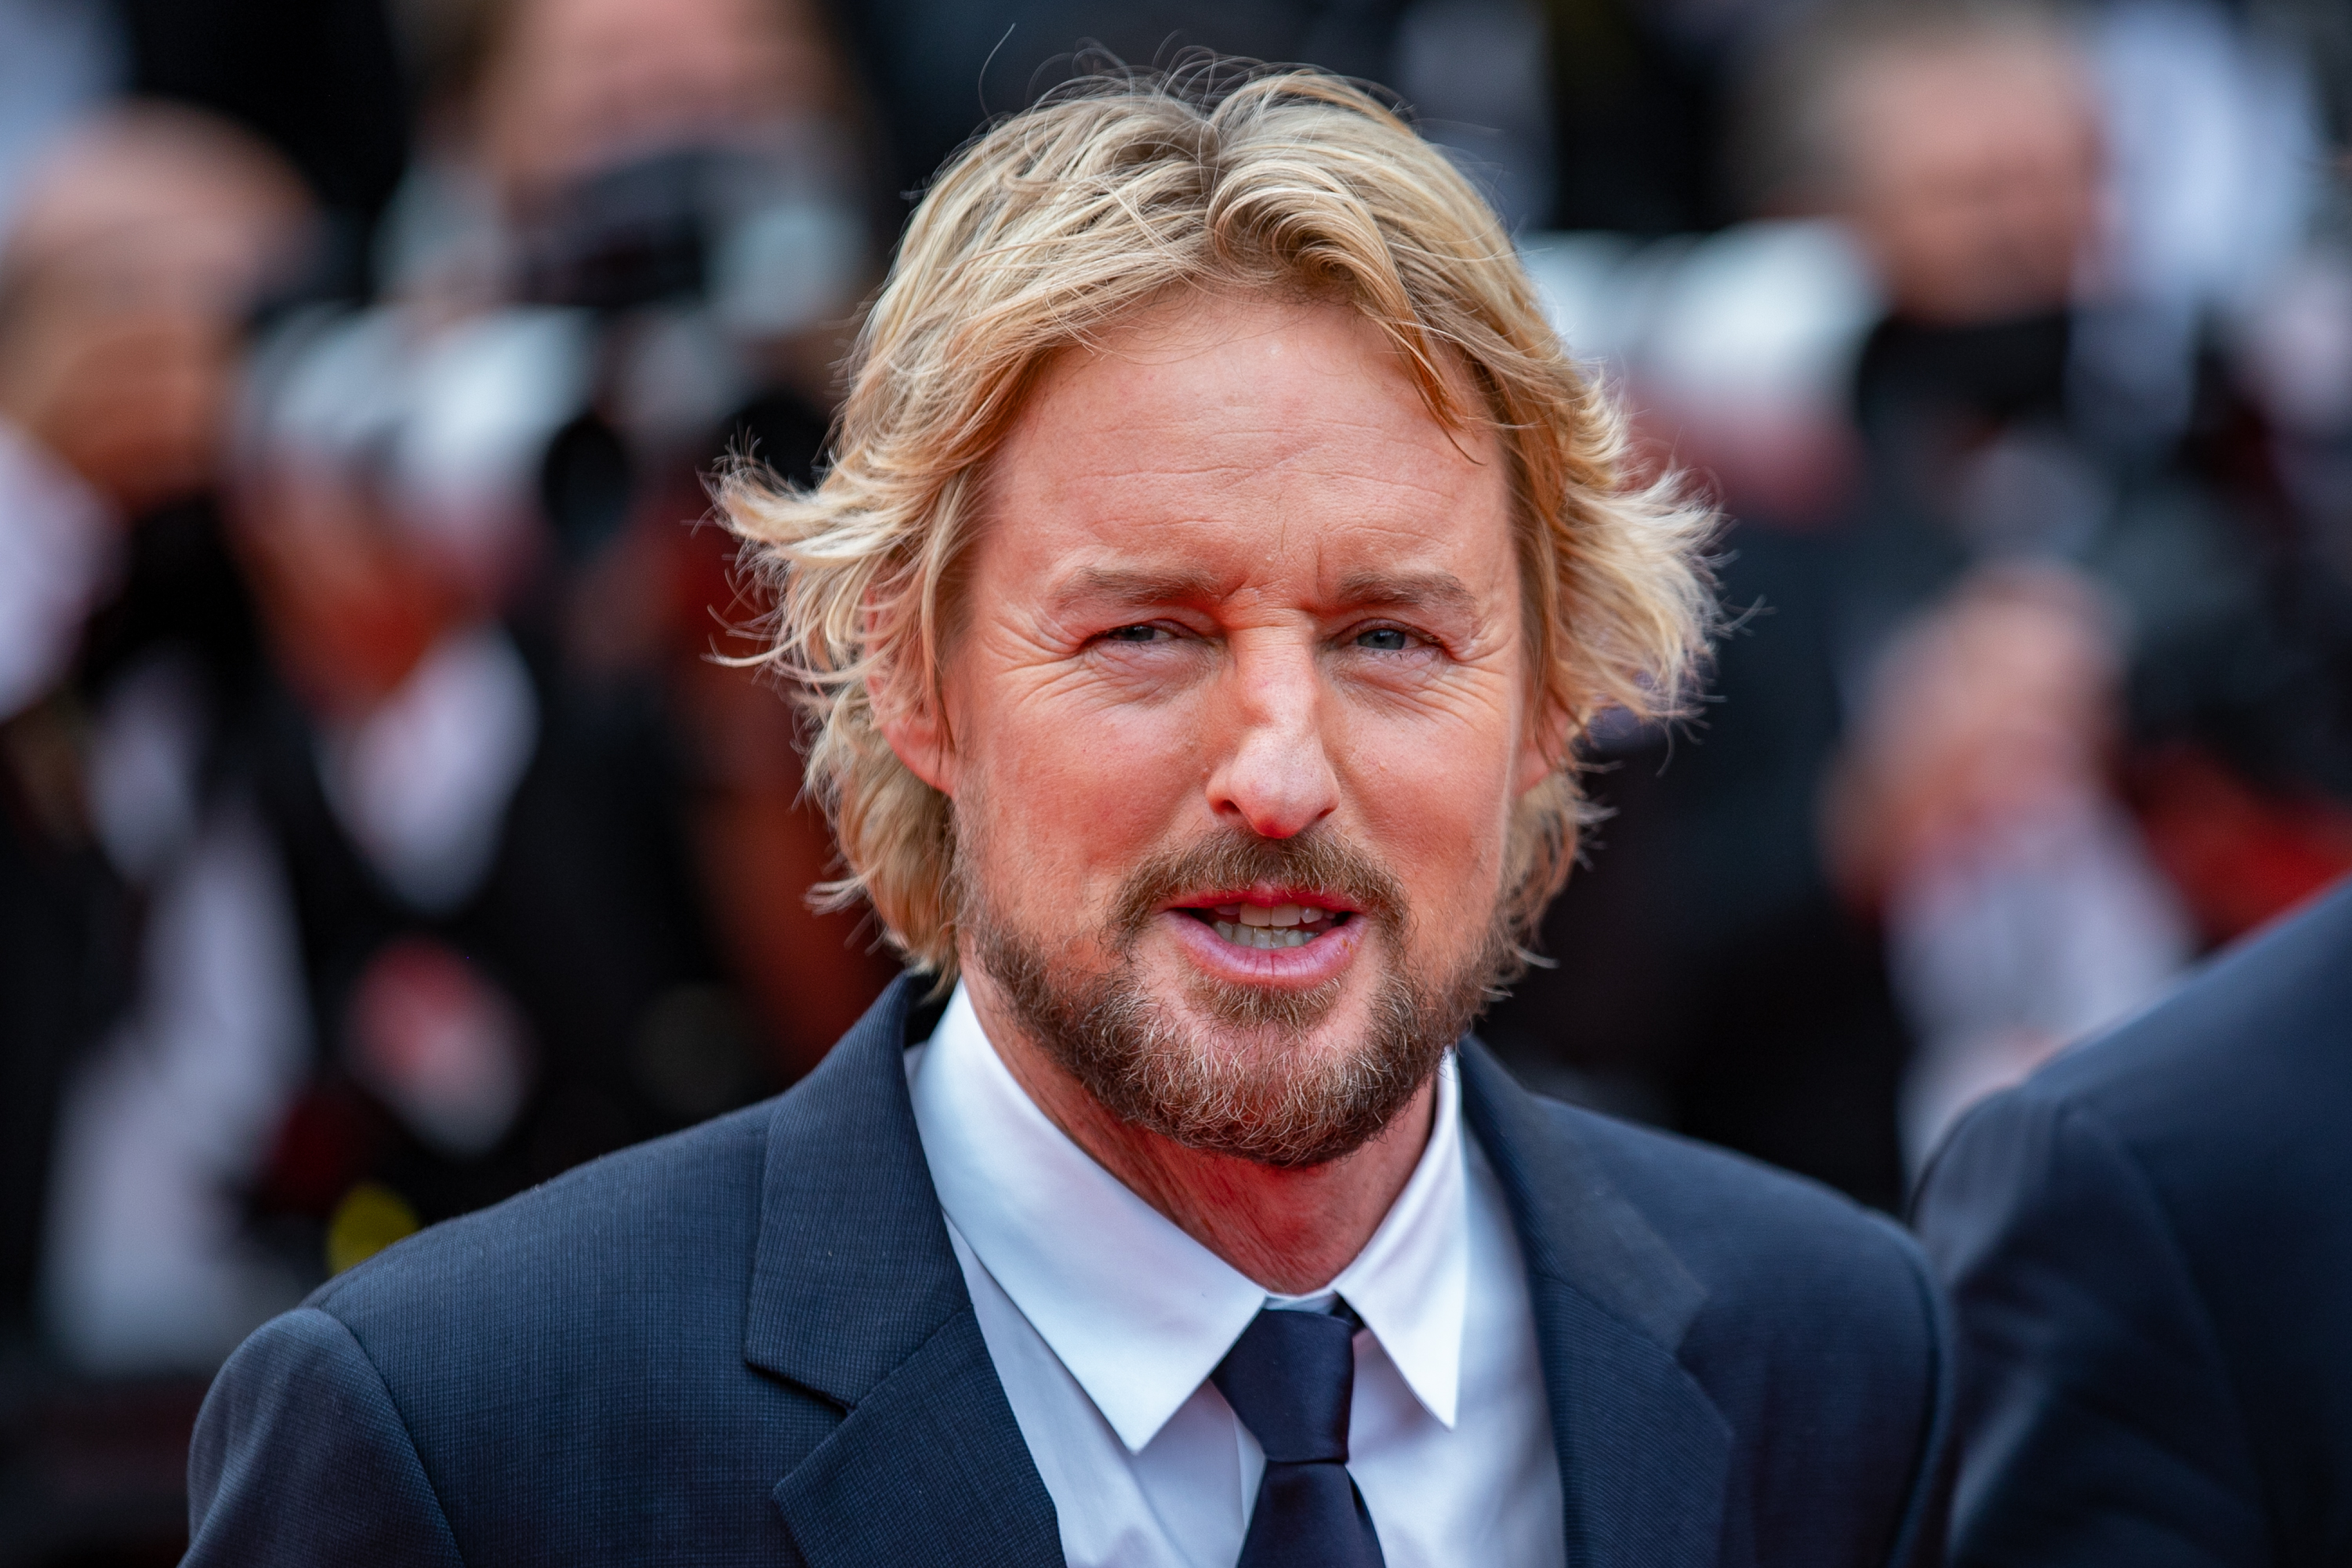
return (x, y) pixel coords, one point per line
(1282, 917)
(1257, 925)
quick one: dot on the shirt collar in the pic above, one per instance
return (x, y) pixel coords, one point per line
(1138, 1311)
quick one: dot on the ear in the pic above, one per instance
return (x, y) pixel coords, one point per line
(911, 721)
(1543, 747)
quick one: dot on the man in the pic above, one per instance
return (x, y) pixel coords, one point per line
(1218, 559)
(141, 1049)
(2151, 1246)
(149, 1001)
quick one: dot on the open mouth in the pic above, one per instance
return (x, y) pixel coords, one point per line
(1270, 926)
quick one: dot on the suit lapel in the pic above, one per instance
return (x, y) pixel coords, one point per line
(1645, 1454)
(857, 1296)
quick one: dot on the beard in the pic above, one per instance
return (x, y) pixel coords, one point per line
(1235, 1084)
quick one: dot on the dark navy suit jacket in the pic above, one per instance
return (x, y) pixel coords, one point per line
(2150, 1244)
(750, 1342)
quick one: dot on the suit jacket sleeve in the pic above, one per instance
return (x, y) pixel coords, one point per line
(2098, 1421)
(300, 1458)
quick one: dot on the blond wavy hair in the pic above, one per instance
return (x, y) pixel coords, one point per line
(1110, 194)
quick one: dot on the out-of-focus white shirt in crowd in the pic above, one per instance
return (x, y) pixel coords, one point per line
(423, 782)
(144, 1264)
(1104, 1321)
(60, 550)
(2036, 933)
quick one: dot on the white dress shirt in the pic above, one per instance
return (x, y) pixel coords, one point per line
(423, 782)
(1104, 1321)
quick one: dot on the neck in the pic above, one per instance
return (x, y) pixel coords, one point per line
(1292, 1230)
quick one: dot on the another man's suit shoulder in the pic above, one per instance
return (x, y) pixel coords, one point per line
(2147, 1241)
(2253, 1049)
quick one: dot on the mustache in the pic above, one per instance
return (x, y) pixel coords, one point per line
(1318, 857)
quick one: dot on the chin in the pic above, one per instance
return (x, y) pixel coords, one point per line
(1269, 1073)
(1260, 1023)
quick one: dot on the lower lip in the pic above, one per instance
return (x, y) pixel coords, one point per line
(1292, 968)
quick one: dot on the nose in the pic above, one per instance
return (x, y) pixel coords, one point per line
(1271, 770)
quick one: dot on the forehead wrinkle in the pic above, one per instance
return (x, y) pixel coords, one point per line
(1305, 429)
(1126, 455)
(1280, 492)
(1149, 468)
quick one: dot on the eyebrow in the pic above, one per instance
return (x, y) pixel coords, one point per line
(1136, 587)
(1440, 591)
(1436, 591)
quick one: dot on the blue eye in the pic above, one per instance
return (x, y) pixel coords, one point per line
(1136, 634)
(1384, 639)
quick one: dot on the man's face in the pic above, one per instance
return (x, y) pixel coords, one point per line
(1237, 710)
(132, 269)
(1975, 179)
(580, 84)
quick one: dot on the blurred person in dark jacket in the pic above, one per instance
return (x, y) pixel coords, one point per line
(678, 199)
(142, 1070)
(507, 965)
(1929, 828)
(2149, 1243)
(151, 1026)
(2020, 427)
(461, 512)
(1976, 637)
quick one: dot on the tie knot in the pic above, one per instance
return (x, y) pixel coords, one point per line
(1289, 1378)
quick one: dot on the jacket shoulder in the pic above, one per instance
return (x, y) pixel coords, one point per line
(1743, 1271)
(296, 1425)
(1810, 1325)
(564, 1374)
(1751, 1233)
(673, 1196)
(646, 1252)
(2134, 1326)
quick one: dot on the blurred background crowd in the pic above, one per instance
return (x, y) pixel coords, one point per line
(384, 829)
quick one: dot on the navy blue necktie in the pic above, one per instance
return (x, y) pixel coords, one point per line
(1289, 1378)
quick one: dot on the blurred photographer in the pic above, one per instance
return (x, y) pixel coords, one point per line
(696, 180)
(520, 871)
(689, 186)
(689, 177)
(2050, 593)
(142, 988)
(152, 1025)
